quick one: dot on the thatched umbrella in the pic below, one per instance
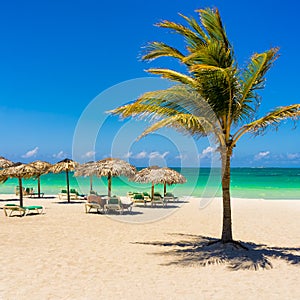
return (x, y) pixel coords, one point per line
(90, 169)
(111, 167)
(3, 178)
(65, 165)
(42, 168)
(157, 175)
(171, 176)
(20, 171)
(5, 163)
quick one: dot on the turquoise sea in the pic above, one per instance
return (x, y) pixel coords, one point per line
(266, 183)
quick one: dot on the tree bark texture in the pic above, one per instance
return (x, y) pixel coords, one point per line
(227, 223)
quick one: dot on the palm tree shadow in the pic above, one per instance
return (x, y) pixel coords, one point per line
(203, 251)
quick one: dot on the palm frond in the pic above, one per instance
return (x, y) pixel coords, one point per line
(174, 76)
(252, 76)
(193, 23)
(143, 111)
(211, 21)
(186, 124)
(191, 37)
(178, 98)
(159, 49)
(273, 119)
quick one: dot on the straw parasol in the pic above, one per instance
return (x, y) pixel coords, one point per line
(87, 169)
(5, 163)
(157, 175)
(20, 171)
(112, 167)
(65, 165)
(170, 177)
(42, 168)
(3, 178)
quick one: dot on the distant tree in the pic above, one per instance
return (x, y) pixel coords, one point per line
(212, 77)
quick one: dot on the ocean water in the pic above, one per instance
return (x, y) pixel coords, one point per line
(262, 183)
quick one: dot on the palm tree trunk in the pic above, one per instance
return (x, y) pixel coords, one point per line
(68, 184)
(227, 224)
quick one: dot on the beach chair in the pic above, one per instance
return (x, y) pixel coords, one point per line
(138, 198)
(158, 199)
(113, 204)
(79, 196)
(170, 197)
(95, 202)
(147, 197)
(9, 209)
(17, 190)
(63, 195)
(126, 203)
(28, 191)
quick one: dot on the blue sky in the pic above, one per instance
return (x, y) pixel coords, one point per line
(57, 56)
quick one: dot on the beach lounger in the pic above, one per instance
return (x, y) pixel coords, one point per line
(94, 202)
(126, 203)
(158, 199)
(114, 204)
(170, 197)
(36, 195)
(9, 209)
(79, 196)
(137, 198)
(25, 191)
(63, 195)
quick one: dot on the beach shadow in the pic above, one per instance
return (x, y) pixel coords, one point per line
(169, 206)
(129, 213)
(10, 199)
(193, 250)
(71, 202)
(44, 197)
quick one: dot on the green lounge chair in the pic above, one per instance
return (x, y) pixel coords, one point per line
(170, 197)
(158, 199)
(9, 209)
(113, 204)
(63, 195)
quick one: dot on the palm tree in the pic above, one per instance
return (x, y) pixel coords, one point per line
(213, 79)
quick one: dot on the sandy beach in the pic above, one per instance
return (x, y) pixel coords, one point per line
(68, 254)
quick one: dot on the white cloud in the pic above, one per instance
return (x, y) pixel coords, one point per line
(206, 152)
(128, 155)
(60, 155)
(182, 156)
(261, 155)
(89, 154)
(156, 154)
(31, 153)
(145, 154)
(141, 155)
(292, 156)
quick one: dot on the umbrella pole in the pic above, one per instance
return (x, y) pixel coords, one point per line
(21, 191)
(152, 191)
(91, 182)
(165, 188)
(109, 184)
(68, 185)
(39, 187)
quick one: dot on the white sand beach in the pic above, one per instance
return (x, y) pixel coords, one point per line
(68, 254)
